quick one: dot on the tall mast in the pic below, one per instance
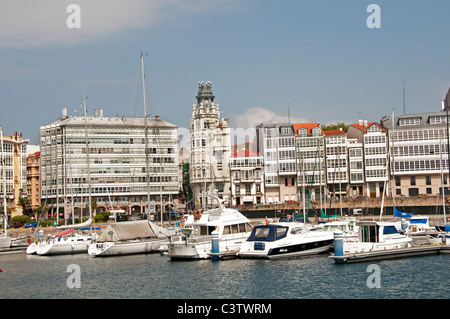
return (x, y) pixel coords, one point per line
(5, 217)
(87, 156)
(143, 84)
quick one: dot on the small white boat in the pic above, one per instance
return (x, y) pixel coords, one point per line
(63, 243)
(194, 242)
(419, 225)
(130, 237)
(373, 236)
(291, 239)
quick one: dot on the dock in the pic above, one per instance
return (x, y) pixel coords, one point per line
(392, 253)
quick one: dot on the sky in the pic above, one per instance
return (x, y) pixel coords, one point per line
(315, 60)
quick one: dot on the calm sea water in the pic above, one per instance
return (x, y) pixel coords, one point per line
(155, 276)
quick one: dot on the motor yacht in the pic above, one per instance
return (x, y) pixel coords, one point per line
(373, 236)
(194, 240)
(282, 239)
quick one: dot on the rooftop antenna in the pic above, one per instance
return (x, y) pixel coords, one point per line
(289, 111)
(404, 100)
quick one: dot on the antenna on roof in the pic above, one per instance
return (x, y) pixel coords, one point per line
(289, 111)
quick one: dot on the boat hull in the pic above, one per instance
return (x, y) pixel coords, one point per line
(286, 251)
(63, 247)
(187, 250)
(361, 247)
(5, 242)
(125, 248)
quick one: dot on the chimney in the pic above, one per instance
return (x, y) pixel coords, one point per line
(64, 111)
(365, 123)
(95, 113)
(100, 112)
(360, 122)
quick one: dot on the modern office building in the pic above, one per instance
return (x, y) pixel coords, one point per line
(115, 169)
(209, 150)
(13, 157)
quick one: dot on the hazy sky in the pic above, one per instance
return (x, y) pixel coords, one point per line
(259, 54)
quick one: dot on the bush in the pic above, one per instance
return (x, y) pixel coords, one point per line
(20, 219)
(101, 217)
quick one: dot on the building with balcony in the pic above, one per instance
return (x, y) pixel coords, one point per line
(247, 178)
(276, 144)
(33, 180)
(13, 157)
(373, 137)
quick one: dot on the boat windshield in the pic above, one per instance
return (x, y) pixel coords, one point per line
(268, 233)
(388, 230)
(418, 221)
(333, 227)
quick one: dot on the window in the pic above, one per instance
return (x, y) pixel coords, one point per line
(413, 180)
(428, 180)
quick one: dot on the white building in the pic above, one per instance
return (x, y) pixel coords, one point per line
(209, 150)
(117, 162)
(336, 163)
(310, 160)
(419, 145)
(276, 143)
(373, 137)
(247, 178)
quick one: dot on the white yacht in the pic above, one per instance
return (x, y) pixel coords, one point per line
(195, 240)
(289, 239)
(373, 236)
(66, 242)
(130, 237)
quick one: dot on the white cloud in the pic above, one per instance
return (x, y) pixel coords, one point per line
(257, 115)
(36, 23)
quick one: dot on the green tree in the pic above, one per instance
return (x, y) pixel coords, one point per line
(338, 126)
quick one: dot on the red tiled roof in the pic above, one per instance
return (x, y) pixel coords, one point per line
(308, 126)
(364, 129)
(333, 132)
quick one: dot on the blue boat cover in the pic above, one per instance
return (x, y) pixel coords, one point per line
(268, 232)
(397, 213)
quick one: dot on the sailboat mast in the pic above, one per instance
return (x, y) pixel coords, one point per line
(442, 179)
(5, 217)
(87, 155)
(143, 84)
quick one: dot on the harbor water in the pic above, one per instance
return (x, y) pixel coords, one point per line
(154, 276)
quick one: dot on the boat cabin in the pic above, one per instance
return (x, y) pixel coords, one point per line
(272, 232)
(375, 232)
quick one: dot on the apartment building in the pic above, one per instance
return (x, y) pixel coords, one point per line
(247, 178)
(373, 137)
(209, 150)
(120, 171)
(336, 163)
(419, 152)
(276, 143)
(33, 179)
(311, 174)
(13, 150)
